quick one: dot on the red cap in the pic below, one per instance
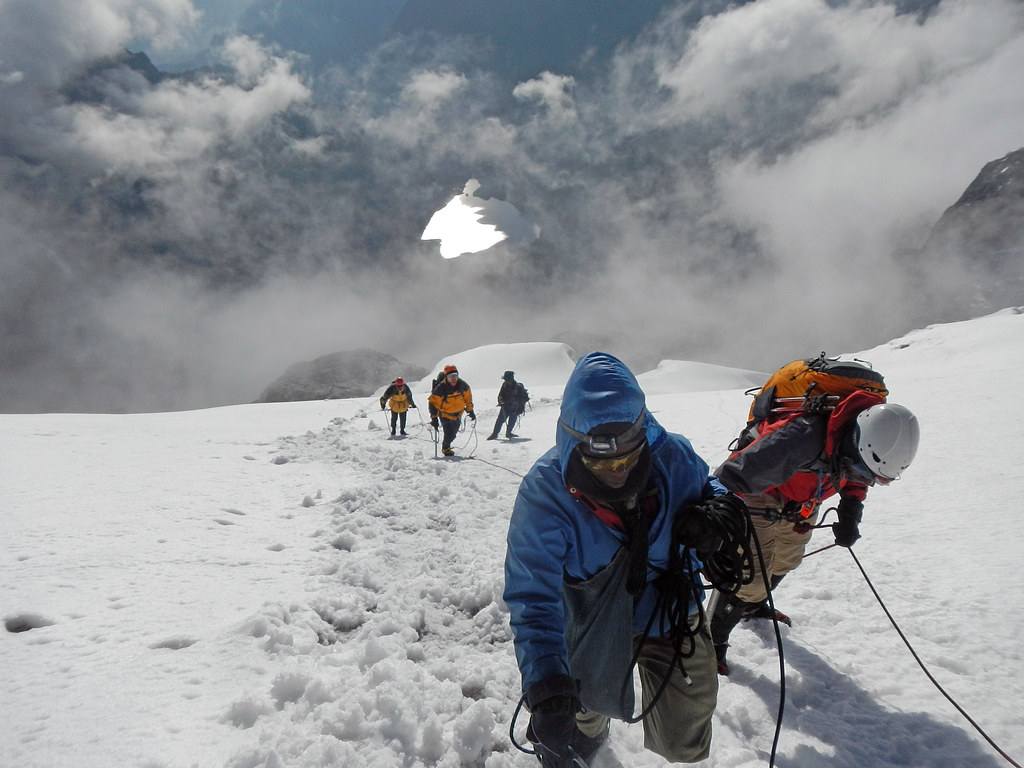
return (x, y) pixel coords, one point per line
(399, 381)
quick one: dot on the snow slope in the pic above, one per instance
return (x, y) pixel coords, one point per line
(282, 585)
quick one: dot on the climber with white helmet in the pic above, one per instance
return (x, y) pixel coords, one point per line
(785, 465)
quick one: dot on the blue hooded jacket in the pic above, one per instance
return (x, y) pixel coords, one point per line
(554, 537)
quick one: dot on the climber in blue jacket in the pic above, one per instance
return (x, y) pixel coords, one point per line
(601, 574)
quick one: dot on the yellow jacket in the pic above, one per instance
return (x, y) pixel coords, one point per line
(449, 402)
(399, 398)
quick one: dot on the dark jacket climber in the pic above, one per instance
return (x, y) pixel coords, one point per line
(512, 400)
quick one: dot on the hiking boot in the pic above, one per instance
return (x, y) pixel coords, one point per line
(509, 435)
(723, 665)
(392, 433)
(403, 432)
(493, 437)
(586, 746)
(764, 611)
(447, 451)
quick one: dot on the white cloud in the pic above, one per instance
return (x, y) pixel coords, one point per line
(553, 91)
(863, 58)
(874, 180)
(735, 54)
(46, 39)
(178, 120)
(249, 59)
(432, 89)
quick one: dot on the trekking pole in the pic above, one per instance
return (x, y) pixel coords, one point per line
(473, 436)
(420, 417)
(712, 604)
(829, 546)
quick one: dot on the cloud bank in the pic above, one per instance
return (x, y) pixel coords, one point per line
(739, 191)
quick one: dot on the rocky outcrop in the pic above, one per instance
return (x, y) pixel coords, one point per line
(354, 373)
(984, 232)
(988, 219)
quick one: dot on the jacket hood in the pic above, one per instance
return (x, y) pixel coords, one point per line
(600, 390)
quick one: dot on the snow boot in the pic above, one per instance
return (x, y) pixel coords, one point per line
(510, 435)
(447, 451)
(764, 611)
(493, 437)
(723, 664)
(728, 612)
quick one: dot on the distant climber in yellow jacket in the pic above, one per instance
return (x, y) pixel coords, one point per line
(451, 396)
(398, 397)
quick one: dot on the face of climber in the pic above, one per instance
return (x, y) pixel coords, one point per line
(612, 451)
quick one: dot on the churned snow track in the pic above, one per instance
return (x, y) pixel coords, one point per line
(403, 608)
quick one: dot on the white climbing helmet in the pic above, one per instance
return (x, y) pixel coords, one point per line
(887, 437)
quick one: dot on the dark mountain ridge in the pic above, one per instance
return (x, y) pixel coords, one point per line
(353, 373)
(984, 229)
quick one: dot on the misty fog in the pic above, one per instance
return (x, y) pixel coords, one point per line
(742, 192)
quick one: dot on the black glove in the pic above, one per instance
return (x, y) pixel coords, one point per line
(847, 530)
(382, 406)
(433, 423)
(553, 704)
(709, 524)
(471, 415)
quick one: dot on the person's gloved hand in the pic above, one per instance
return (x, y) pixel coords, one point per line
(553, 704)
(471, 415)
(433, 423)
(847, 529)
(382, 406)
(707, 525)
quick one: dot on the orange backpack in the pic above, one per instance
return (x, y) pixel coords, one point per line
(816, 384)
